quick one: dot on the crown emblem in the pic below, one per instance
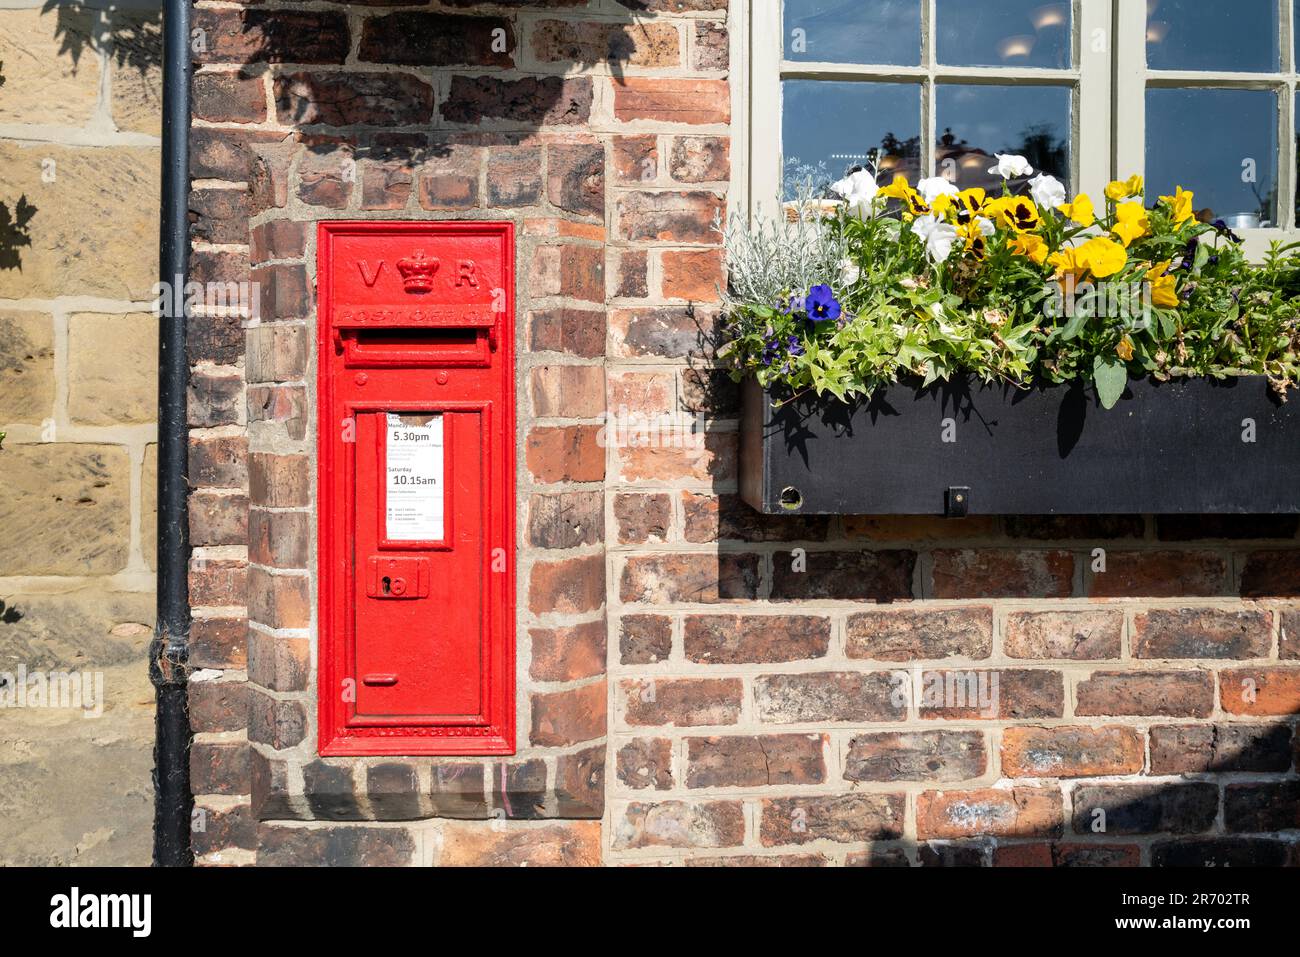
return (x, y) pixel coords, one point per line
(417, 272)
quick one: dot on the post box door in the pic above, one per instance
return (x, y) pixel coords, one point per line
(417, 488)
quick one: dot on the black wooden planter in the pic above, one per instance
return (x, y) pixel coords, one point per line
(964, 448)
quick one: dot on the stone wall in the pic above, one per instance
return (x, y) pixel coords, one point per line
(79, 156)
(771, 696)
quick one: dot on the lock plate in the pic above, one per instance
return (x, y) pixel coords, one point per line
(397, 578)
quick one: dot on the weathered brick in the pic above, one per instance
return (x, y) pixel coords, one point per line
(558, 844)
(562, 718)
(417, 38)
(670, 217)
(266, 36)
(646, 763)
(700, 159)
(694, 274)
(908, 634)
(218, 461)
(735, 639)
(1271, 574)
(931, 756)
(660, 579)
(1073, 635)
(755, 761)
(279, 601)
(984, 694)
(644, 639)
(861, 575)
(1254, 691)
(828, 696)
(642, 518)
(636, 158)
(679, 824)
(673, 332)
(279, 539)
(1071, 752)
(580, 783)
(228, 97)
(393, 791)
(276, 722)
(218, 705)
(217, 582)
(220, 767)
(1202, 633)
(566, 519)
(676, 456)
(339, 846)
(568, 453)
(218, 643)
(571, 586)
(279, 481)
(457, 791)
(1159, 574)
(672, 100)
(1177, 694)
(1145, 808)
(568, 391)
(1064, 854)
(1262, 806)
(568, 652)
(1002, 573)
(543, 101)
(989, 812)
(1220, 852)
(1216, 748)
(218, 518)
(681, 702)
(342, 99)
(576, 178)
(577, 332)
(278, 662)
(844, 819)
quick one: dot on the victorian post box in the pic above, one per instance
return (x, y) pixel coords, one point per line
(416, 506)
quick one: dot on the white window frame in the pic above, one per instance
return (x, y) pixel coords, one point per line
(1090, 80)
(1133, 78)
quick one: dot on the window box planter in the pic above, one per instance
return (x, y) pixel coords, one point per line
(1195, 446)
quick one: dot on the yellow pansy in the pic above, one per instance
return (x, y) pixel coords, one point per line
(1164, 291)
(1103, 257)
(1018, 213)
(1131, 222)
(1124, 188)
(1080, 211)
(1030, 246)
(1068, 262)
(1181, 204)
(1124, 349)
(944, 204)
(973, 237)
(898, 189)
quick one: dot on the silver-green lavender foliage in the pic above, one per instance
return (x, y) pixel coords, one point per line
(770, 258)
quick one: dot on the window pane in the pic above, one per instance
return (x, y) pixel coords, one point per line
(829, 127)
(974, 122)
(1221, 37)
(1004, 33)
(853, 31)
(1220, 143)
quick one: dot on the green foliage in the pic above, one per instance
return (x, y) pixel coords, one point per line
(1181, 299)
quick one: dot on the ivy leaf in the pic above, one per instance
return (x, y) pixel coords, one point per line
(1111, 377)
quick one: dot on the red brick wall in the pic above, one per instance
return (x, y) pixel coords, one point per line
(758, 704)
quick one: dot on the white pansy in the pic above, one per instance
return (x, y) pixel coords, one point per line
(937, 235)
(1010, 166)
(850, 272)
(934, 187)
(986, 225)
(859, 191)
(1047, 191)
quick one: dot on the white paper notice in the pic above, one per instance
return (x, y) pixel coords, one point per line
(415, 478)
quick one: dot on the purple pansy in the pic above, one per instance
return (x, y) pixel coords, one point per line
(821, 304)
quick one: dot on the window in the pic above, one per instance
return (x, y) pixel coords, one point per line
(1189, 92)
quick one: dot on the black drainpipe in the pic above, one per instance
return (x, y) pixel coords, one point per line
(168, 653)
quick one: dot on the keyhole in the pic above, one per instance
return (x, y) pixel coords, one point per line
(388, 585)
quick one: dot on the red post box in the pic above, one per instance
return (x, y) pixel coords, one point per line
(416, 423)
